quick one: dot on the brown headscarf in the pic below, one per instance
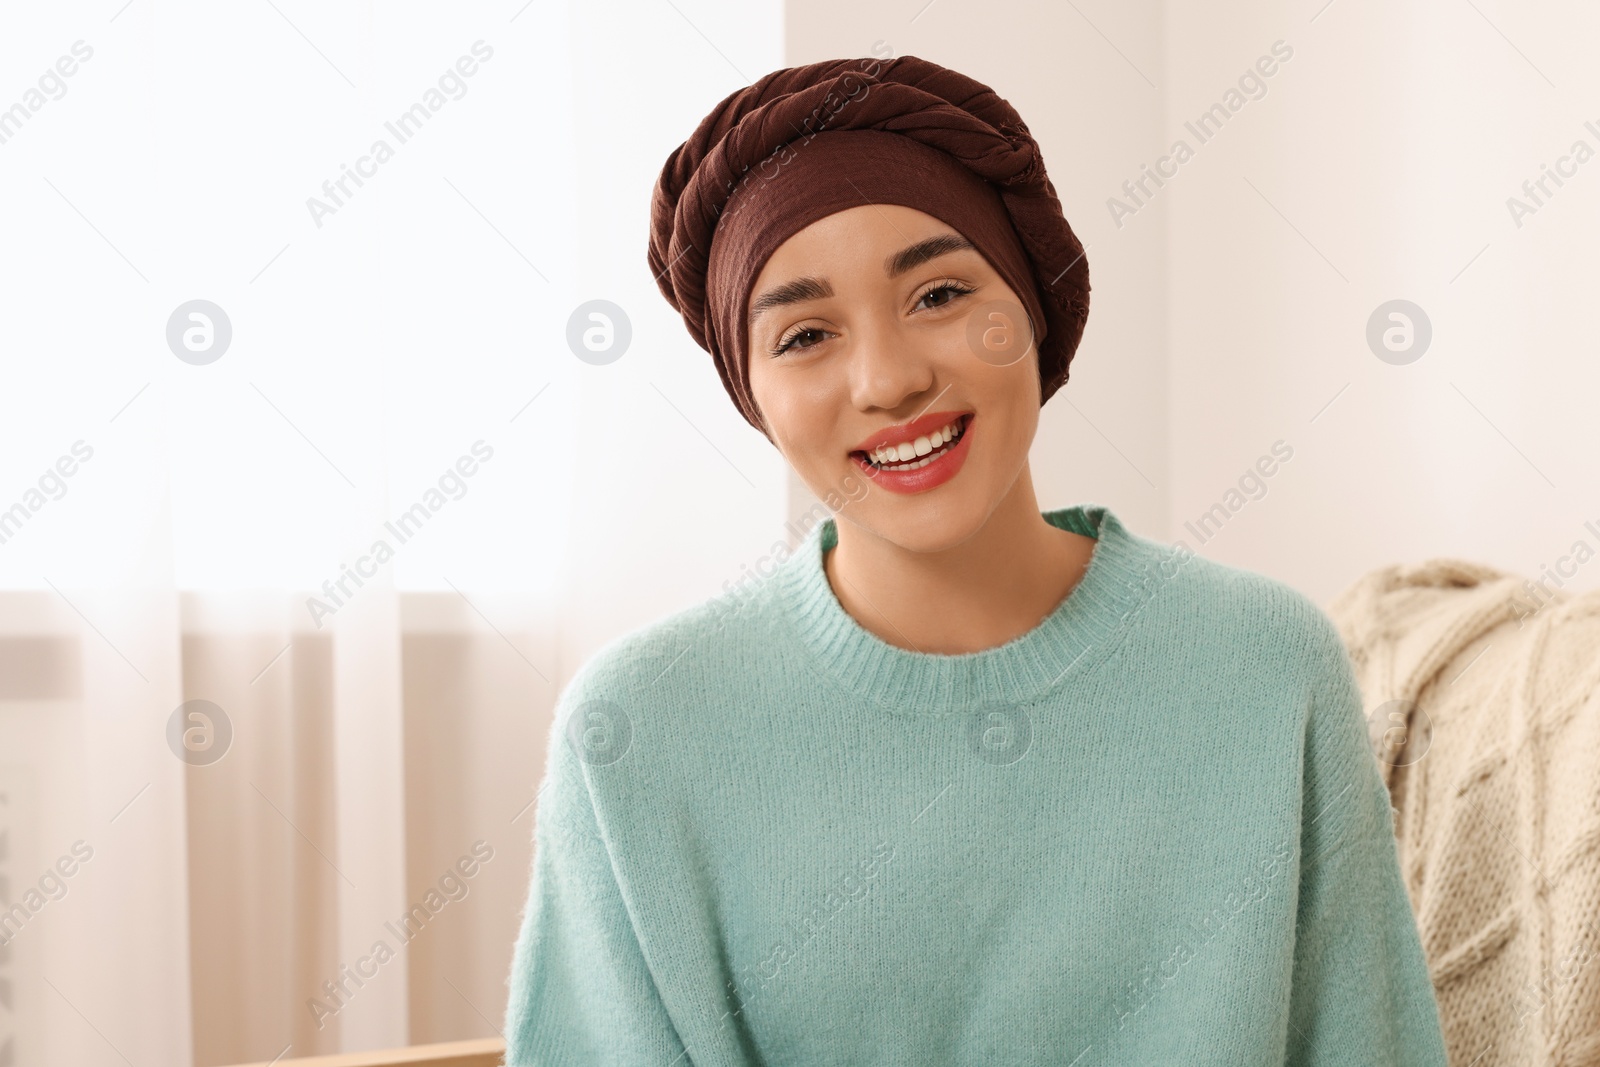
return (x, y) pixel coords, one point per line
(804, 142)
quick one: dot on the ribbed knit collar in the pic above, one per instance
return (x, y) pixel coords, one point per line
(1074, 636)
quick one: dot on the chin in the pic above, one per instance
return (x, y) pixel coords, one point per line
(934, 521)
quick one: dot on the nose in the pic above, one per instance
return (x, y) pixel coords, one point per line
(885, 367)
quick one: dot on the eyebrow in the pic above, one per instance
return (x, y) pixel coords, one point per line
(907, 259)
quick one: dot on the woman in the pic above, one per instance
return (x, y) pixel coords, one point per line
(959, 781)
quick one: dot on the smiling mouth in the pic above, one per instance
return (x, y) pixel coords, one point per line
(880, 461)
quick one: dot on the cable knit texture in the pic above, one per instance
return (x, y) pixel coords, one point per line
(1150, 830)
(1493, 764)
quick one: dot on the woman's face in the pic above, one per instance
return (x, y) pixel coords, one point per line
(859, 326)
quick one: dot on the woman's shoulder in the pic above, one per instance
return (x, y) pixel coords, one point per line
(682, 642)
(1243, 605)
(668, 688)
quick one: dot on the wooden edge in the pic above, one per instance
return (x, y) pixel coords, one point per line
(479, 1052)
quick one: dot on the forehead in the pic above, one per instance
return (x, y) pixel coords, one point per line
(851, 230)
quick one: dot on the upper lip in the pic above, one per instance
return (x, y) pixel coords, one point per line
(909, 431)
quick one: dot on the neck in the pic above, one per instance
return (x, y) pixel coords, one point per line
(995, 586)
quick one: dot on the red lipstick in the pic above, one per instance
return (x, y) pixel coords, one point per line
(941, 465)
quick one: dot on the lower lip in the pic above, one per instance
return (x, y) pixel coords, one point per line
(922, 479)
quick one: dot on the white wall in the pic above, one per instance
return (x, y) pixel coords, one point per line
(1391, 142)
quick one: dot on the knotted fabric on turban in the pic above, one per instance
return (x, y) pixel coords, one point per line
(804, 142)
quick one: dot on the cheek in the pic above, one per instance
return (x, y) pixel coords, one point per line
(799, 405)
(792, 425)
(1008, 397)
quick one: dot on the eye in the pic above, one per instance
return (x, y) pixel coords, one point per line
(951, 291)
(791, 339)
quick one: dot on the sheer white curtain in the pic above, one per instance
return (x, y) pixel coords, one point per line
(374, 532)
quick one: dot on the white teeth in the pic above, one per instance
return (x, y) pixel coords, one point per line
(895, 457)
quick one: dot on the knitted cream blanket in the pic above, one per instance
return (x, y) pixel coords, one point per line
(1483, 702)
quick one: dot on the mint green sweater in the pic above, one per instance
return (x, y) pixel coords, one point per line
(1150, 830)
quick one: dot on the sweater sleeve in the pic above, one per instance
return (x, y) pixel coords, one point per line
(1361, 995)
(581, 990)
